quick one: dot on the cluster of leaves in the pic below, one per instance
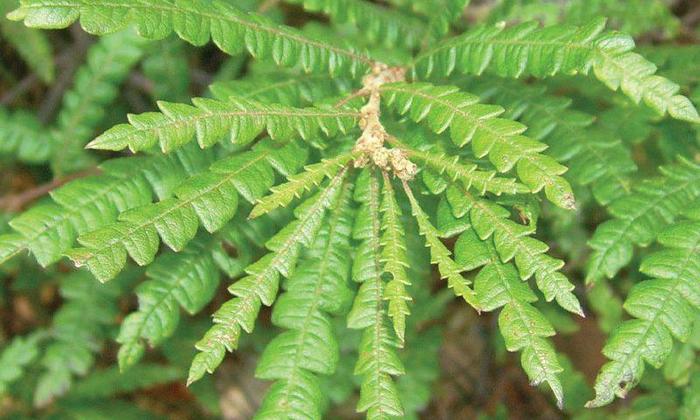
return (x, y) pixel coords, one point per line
(263, 183)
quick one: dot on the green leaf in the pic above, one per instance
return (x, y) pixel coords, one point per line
(210, 197)
(638, 217)
(395, 260)
(663, 308)
(298, 398)
(49, 229)
(95, 87)
(636, 17)
(16, 356)
(231, 29)
(271, 85)
(262, 282)
(466, 173)
(78, 329)
(209, 121)
(377, 361)
(22, 135)
(188, 280)
(167, 68)
(440, 255)
(298, 184)
(389, 27)
(526, 49)
(441, 13)
(523, 327)
(444, 107)
(309, 347)
(512, 242)
(32, 45)
(594, 154)
(11, 245)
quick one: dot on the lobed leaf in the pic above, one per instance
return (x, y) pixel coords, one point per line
(395, 260)
(209, 121)
(524, 327)
(79, 327)
(440, 255)
(389, 27)
(512, 242)
(377, 360)
(95, 87)
(444, 107)
(49, 229)
(639, 216)
(594, 155)
(297, 185)
(231, 29)
(211, 198)
(22, 136)
(188, 280)
(467, 174)
(308, 347)
(663, 308)
(526, 49)
(16, 356)
(285, 88)
(261, 284)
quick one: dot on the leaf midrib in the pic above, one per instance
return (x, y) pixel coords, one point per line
(194, 119)
(457, 42)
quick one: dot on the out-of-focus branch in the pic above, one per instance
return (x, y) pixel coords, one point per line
(15, 202)
(73, 60)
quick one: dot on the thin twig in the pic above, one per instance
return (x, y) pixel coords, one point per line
(267, 5)
(16, 202)
(141, 82)
(692, 17)
(19, 89)
(356, 94)
(77, 51)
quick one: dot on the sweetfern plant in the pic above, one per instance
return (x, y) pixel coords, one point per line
(355, 172)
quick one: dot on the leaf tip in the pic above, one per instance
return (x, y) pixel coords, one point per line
(99, 143)
(17, 14)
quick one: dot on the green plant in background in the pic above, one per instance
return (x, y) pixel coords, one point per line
(327, 174)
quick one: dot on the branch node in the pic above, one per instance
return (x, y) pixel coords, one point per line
(370, 145)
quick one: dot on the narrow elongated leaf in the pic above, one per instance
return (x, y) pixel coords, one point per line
(377, 361)
(440, 255)
(197, 21)
(639, 216)
(210, 121)
(210, 198)
(395, 260)
(378, 24)
(298, 184)
(443, 107)
(526, 49)
(261, 284)
(309, 347)
(663, 308)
